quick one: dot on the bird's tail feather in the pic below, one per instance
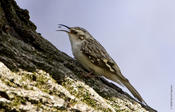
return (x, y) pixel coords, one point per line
(133, 90)
(124, 82)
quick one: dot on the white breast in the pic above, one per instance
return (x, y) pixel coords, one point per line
(76, 46)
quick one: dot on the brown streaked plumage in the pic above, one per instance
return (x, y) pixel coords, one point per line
(93, 56)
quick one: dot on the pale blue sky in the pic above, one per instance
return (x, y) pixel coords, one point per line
(138, 34)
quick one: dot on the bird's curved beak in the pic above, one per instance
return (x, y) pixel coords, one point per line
(60, 25)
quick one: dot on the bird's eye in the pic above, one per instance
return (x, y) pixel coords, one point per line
(74, 32)
(81, 37)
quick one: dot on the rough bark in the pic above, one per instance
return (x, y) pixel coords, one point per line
(36, 76)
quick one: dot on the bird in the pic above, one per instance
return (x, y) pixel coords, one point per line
(94, 58)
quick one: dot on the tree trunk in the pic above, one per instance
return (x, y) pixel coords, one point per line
(36, 76)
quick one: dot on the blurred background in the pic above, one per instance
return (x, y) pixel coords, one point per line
(138, 34)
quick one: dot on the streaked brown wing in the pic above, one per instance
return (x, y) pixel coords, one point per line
(97, 54)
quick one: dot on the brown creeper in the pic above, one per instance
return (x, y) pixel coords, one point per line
(93, 56)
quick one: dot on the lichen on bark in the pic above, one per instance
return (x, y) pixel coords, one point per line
(36, 76)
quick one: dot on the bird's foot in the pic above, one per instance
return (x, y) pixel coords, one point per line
(90, 75)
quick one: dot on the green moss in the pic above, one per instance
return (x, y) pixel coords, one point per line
(17, 100)
(83, 94)
(11, 84)
(88, 100)
(72, 102)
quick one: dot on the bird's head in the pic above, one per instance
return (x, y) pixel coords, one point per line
(76, 33)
